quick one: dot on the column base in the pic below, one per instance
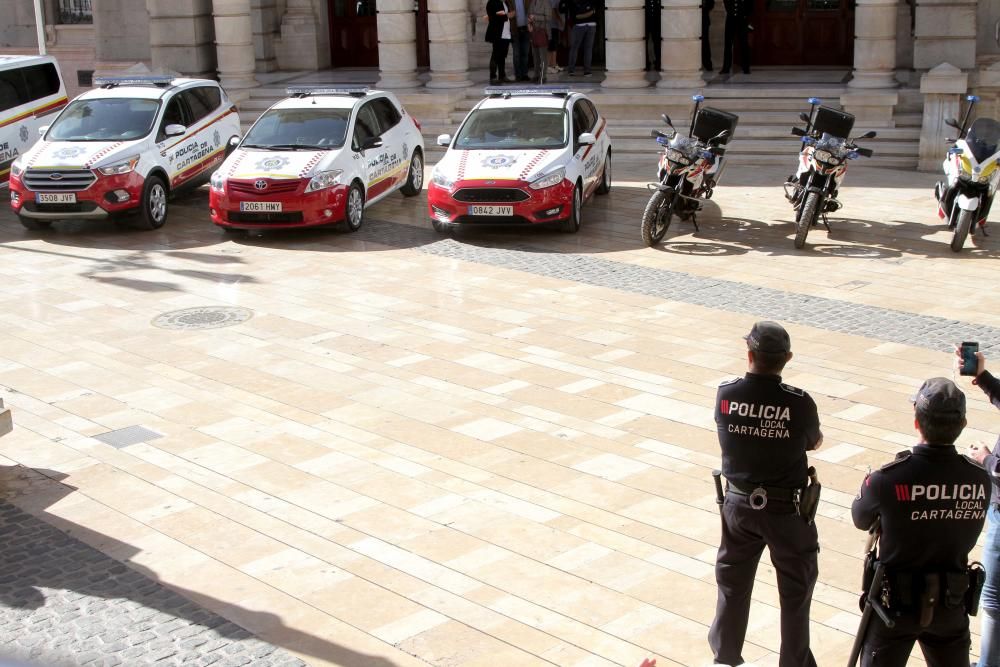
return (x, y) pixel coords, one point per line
(457, 80)
(681, 80)
(627, 79)
(873, 108)
(393, 80)
(868, 80)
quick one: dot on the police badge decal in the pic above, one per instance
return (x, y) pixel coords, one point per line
(499, 161)
(23, 133)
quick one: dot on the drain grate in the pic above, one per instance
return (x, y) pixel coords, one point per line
(131, 435)
(210, 317)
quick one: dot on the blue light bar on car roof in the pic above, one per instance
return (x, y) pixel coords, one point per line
(304, 91)
(112, 81)
(502, 91)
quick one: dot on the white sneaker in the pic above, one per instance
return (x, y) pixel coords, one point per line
(553, 70)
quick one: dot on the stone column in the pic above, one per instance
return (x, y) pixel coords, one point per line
(299, 47)
(625, 50)
(945, 32)
(234, 47)
(942, 88)
(874, 44)
(397, 44)
(449, 48)
(181, 36)
(680, 26)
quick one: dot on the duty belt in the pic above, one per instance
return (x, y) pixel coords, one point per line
(759, 494)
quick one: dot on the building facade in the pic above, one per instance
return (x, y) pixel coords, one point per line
(943, 48)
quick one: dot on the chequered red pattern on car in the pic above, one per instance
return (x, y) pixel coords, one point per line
(532, 163)
(236, 163)
(38, 154)
(462, 160)
(313, 161)
(101, 153)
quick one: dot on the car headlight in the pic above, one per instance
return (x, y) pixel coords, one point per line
(324, 180)
(119, 168)
(218, 182)
(440, 178)
(15, 168)
(548, 180)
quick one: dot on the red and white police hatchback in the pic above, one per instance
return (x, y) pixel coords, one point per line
(319, 157)
(528, 156)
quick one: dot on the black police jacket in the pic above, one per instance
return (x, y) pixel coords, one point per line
(765, 429)
(932, 503)
(991, 387)
(739, 8)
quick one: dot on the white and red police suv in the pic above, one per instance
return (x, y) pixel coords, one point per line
(522, 157)
(124, 147)
(321, 156)
(32, 93)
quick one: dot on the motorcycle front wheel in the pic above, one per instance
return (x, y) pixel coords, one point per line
(807, 215)
(962, 227)
(657, 217)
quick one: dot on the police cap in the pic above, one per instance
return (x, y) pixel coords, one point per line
(939, 397)
(767, 336)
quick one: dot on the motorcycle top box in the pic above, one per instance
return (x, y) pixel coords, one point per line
(833, 122)
(709, 123)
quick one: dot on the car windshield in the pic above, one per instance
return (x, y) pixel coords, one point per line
(513, 128)
(291, 129)
(110, 119)
(983, 137)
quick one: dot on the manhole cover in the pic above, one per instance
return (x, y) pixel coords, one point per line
(214, 317)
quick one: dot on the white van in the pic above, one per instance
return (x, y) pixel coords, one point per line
(32, 93)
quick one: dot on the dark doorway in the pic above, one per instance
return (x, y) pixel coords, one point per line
(423, 42)
(803, 32)
(353, 33)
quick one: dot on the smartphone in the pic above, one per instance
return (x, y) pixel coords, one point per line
(970, 364)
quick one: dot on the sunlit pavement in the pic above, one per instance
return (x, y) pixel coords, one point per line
(492, 448)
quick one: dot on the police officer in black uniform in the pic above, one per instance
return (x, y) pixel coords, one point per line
(765, 429)
(932, 504)
(737, 29)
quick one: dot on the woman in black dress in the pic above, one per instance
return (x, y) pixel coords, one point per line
(498, 34)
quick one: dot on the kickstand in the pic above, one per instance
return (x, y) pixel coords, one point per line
(826, 223)
(694, 219)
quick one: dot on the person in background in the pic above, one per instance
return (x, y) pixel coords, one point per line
(584, 31)
(653, 11)
(706, 42)
(557, 25)
(539, 15)
(737, 28)
(521, 37)
(498, 34)
(989, 648)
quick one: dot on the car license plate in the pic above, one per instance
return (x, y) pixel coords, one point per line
(55, 197)
(491, 210)
(260, 206)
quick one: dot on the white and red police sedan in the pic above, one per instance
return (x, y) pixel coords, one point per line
(522, 156)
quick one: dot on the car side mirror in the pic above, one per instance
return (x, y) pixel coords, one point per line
(371, 142)
(870, 134)
(444, 140)
(804, 117)
(951, 122)
(42, 130)
(234, 141)
(174, 130)
(587, 139)
(798, 132)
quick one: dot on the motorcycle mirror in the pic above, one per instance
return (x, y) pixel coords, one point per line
(951, 122)
(656, 134)
(865, 152)
(798, 132)
(804, 117)
(666, 119)
(870, 134)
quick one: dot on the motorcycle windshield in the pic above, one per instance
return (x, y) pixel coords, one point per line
(983, 137)
(828, 142)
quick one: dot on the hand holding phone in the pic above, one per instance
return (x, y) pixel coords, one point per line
(969, 359)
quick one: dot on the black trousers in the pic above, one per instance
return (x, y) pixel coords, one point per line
(706, 46)
(522, 52)
(737, 29)
(945, 642)
(498, 59)
(794, 546)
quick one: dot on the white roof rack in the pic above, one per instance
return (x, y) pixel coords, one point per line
(327, 90)
(510, 91)
(115, 81)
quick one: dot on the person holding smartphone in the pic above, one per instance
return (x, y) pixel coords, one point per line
(989, 603)
(498, 34)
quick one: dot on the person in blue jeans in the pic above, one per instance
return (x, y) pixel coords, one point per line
(584, 16)
(989, 603)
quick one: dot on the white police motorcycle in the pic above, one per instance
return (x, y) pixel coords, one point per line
(971, 175)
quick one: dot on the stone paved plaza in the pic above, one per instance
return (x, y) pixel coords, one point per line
(487, 449)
